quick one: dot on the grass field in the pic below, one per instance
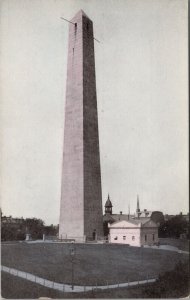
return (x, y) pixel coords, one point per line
(93, 263)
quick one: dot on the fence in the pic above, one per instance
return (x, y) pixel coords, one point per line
(69, 288)
(50, 237)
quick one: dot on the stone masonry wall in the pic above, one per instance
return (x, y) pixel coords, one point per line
(81, 198)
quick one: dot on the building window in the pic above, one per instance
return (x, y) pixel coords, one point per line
(115, 238)
(75, 29)
(133, 238)
(124, 237)
(153, 237)
(145, 237)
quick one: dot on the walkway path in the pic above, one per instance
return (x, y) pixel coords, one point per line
(66, 287)
(167, 247)
(160, 247)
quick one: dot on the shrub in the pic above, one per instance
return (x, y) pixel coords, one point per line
(172, 284)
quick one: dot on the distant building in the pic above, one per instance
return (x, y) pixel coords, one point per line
(12, 221)
(134, 232)
(156, 216)
(145, 215)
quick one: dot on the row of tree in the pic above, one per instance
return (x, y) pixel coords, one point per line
(174, 227)
(17, 231)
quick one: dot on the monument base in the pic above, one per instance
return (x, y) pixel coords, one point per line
(68, 239)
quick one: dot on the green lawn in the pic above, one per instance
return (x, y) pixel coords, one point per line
(94, 264)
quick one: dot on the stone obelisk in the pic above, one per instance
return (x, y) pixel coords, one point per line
(81, 195)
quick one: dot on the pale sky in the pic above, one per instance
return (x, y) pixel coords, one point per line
(142, 95)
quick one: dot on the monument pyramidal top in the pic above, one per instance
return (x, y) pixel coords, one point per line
(79, 14)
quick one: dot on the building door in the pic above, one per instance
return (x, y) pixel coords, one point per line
(94, 235)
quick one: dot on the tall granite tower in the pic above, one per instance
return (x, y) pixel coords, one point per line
(81, 197)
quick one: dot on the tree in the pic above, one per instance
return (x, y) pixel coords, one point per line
(173, 227)
(35, 227)
(172, 284)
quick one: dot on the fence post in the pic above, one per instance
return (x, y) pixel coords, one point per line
(84, 288)
(118, 284)
(128, 281)
(63, 288)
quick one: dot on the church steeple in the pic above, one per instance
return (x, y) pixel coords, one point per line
(138, 207)
(108, 206)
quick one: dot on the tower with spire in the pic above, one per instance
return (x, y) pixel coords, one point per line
(138, 212)
(108, 206)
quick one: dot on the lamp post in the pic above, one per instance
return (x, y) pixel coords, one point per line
(141, 261)
(72, 254)
(142, 257)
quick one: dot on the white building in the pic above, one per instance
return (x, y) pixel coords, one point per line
(134, 232)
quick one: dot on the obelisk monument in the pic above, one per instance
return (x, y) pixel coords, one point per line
(81, 195)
